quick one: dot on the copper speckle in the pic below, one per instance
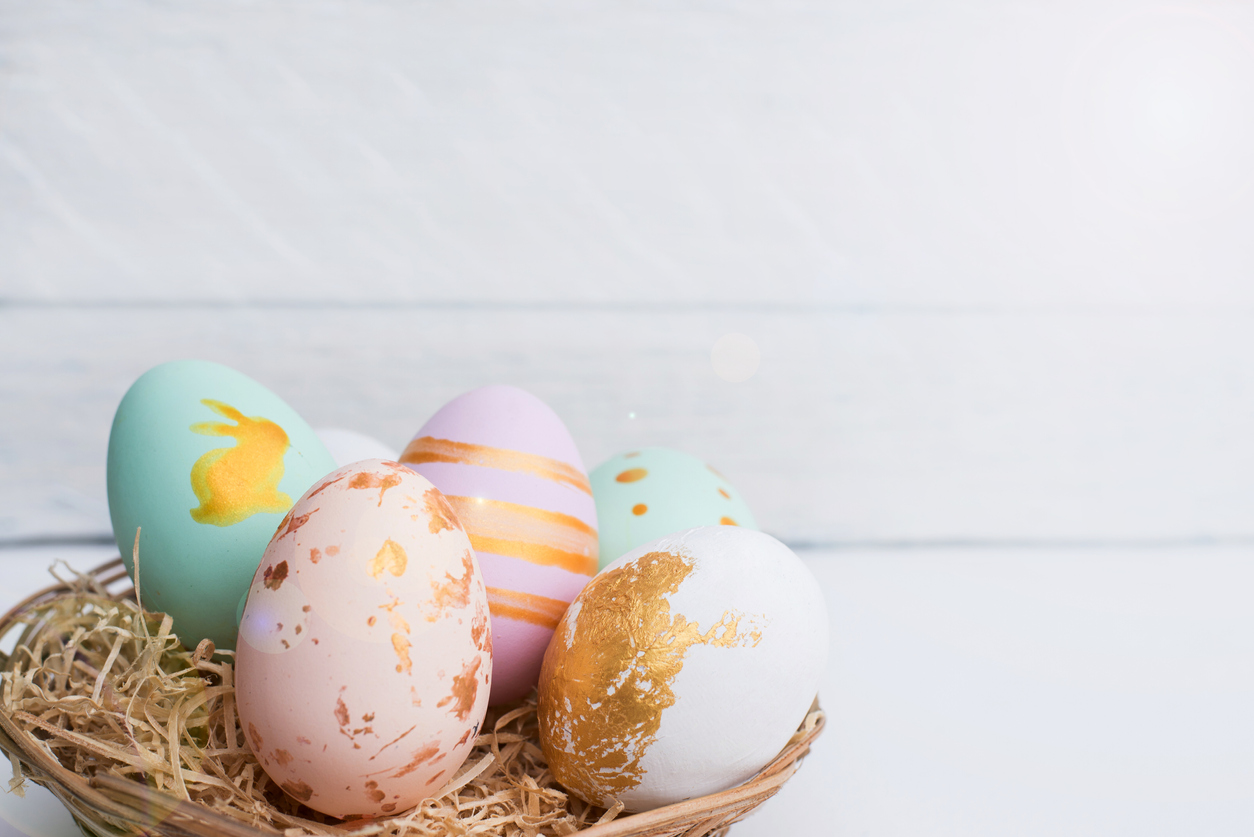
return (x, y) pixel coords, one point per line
(723, 491)
(307, 608)
(298, 790)
(388, 807)
(442, 516)
(368, 717)
(639, 509)
(255, 738)
(479, 632)
(372, 791)
(397, 621)
(428, 751)
(434, 778)
(299, 628)
(276, 575)
(325, 486)
(341, 712)
(303, 740)
(727, 521)
(454, 592)
(401, 645)
(465, 737)
(632, 475)
(393, 741)
(631, 455)
(291, 524)
(286, 644)
(370, 620)
(315, 642)
(367, 480)
(465, 687)
(315, 555)
(333, 550)
(287, 518)
(283, 757)
(390, 557)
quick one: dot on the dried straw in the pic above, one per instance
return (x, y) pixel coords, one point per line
(114, 696)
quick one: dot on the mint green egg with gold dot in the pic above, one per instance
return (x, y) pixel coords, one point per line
(204, 462)
(648, 493)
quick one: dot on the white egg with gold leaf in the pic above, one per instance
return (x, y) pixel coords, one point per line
(682, 669)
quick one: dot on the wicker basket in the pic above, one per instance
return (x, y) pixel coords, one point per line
(108, 805)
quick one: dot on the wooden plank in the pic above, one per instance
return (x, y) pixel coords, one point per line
(812, 153)
(1065, 427)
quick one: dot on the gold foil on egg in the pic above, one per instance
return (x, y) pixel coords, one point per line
(608, 677)
(232, 484)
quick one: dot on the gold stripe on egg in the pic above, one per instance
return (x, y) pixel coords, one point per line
(431, 449)
(625, 639)
(536, 535)
(525, 607)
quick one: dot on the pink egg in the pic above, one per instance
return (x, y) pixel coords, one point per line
(365, 651)
(511, 472)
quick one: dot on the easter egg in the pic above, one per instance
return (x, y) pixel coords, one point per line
(682, 669)
(206, 461)
(349, 446)
(512, 474)
(651, 492)
(365, 653)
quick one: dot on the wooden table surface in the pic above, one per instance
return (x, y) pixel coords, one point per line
(994, 257)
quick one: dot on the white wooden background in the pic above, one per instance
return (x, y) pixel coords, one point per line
(995, 257)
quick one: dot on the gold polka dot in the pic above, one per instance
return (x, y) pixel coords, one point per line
(639, 508)
(632, 474)
(727, 521)
(724, 493)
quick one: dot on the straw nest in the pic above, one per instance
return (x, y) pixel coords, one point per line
(139, 735)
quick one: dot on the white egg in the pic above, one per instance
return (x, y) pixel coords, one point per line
(682, 668)
(349, 446)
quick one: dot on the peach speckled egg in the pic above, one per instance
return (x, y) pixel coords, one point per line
(365, 654)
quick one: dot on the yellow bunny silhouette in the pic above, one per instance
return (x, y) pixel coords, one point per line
(233, 484)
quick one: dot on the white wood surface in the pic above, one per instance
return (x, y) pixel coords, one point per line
(995, 257)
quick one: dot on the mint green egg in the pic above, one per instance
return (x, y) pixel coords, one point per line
(646, 494)
(204, 462)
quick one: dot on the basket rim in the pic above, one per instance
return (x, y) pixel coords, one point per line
(131, 801)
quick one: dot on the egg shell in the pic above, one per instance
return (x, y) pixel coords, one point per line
(511, 471)
(207, 461)
(349, 446)
(682, 669)
(648, 493)
(365, 654)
